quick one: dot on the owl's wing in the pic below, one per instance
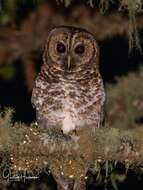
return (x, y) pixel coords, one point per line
(33, 101)
(102, 116)
(36, 100)
(38, 93)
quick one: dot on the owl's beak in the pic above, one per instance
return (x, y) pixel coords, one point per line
(69, 61)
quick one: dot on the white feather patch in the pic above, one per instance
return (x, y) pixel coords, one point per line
(68, 124)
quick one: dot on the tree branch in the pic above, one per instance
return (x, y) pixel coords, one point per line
(28, 148)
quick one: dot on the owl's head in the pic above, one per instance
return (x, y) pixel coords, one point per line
(70, 49)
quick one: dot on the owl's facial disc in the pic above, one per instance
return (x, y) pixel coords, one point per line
(57, 46)
(70, 50)
(84, 48)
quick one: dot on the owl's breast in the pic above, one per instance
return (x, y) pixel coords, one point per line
(67, 105)
(82, 106)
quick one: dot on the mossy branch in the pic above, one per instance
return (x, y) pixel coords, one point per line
(28, 148)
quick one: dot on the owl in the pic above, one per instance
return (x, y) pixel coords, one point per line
(69, 92)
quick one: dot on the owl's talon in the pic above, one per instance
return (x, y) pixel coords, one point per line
(44, 138)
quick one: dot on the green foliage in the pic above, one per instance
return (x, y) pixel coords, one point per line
(6, 118)
(125, 101)
(10, 135)
(7, 71)
(105, 173)
(8, 12)
(8, 9)
(65, 2)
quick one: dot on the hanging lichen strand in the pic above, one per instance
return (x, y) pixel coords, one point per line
(133, 7)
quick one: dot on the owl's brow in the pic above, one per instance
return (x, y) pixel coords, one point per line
(74, 36)
(69, 41)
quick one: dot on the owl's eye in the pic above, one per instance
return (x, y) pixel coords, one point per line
(79, 49)
(61, 47)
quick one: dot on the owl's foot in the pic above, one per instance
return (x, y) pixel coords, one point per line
(70, 184)
(79, 185)
(65, 187)
(64, 183)
(44, 138)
